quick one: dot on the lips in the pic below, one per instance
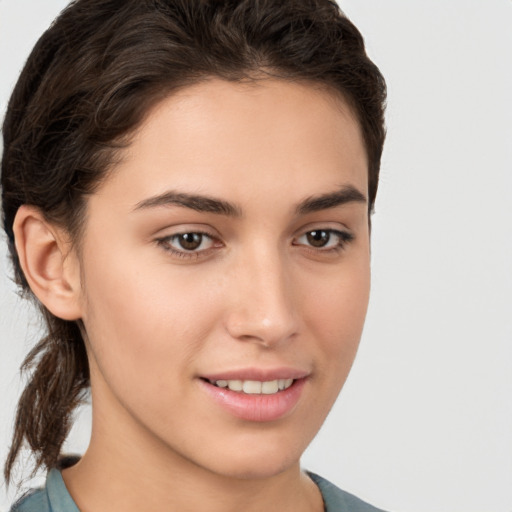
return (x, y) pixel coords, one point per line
(255, 395)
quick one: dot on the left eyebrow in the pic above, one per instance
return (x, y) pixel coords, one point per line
(347, 194)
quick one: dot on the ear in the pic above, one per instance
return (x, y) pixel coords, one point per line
(50, 265)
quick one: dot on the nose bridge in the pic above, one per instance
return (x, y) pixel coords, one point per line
(263, 309)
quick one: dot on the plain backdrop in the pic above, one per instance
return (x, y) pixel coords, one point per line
(424, 422)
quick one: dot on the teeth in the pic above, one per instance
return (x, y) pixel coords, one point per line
(235, 385)
(255, 387)
(252, 387)
(270, 387)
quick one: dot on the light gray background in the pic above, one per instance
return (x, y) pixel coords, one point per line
(424, 423)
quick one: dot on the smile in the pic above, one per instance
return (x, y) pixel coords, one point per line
(255, 400)
(254, 387)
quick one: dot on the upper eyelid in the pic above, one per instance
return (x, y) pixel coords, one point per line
(172, 236)
(346, 235)
(174, 231)
(212, 233)
(323, 226)
(188, 231)
(180, 229)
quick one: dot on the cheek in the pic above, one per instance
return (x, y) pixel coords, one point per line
(144, 319)
(335, 316)
(338, 308)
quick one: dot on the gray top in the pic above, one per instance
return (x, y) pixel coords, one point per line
(54, 497)
(336, 500)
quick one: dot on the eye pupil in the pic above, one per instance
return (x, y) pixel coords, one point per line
(190, 241)
(318, 238)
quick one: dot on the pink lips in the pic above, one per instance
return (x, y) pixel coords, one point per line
(256, 407)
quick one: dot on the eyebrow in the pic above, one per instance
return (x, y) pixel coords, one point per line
(195, 202)
(347, 194)
(200, 203)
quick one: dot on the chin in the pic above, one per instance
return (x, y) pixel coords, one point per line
(261, 471)
(259, 461)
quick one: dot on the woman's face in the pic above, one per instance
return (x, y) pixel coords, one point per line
(225, 277)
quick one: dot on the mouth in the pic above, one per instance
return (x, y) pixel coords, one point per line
(253, 387)
(256, 400)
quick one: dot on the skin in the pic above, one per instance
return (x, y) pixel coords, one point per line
(256, 294)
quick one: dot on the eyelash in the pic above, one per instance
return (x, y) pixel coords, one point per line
(165, 243)
(344, 238)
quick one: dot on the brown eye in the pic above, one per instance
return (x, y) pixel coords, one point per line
(324, 240)
(318, 238)
(192, 244)
(190, 241)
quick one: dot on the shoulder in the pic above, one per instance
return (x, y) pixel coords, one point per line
(34, 501)
(53, 497)
(337, 500)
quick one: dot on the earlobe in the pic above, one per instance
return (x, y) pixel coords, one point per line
(50, 267)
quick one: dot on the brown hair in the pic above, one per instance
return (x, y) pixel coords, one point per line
(86, 86)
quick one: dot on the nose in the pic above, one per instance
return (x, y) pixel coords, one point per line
(262, 306)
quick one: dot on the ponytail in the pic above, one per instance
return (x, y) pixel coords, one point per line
(58, 382)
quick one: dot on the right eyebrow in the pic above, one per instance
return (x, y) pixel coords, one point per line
(195, 202)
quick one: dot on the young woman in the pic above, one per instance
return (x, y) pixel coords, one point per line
(187, 188)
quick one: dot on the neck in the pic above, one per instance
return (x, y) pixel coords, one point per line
(118, 482)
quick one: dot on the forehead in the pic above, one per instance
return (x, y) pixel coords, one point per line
(220, 137)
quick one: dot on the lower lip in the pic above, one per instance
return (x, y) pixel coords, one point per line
(259, 408)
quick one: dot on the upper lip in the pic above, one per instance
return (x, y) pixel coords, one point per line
(258, 374)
